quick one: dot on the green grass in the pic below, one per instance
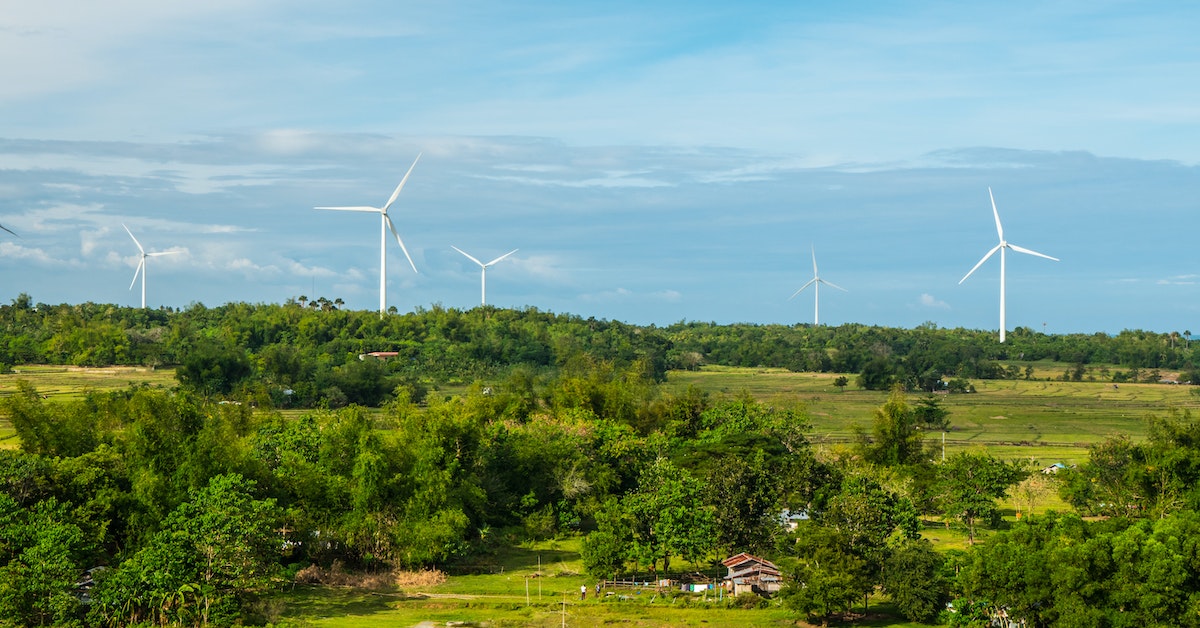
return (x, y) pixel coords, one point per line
(1050, 421)
(72, 382)
(500, 599)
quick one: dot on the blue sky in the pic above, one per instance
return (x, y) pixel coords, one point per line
(652, 163)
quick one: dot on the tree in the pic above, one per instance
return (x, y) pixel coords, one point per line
(50, 429)
(669, 515)
(214, 549)
(745, 494)
(912, 577)
(213, 369)
(878, 374)
(826, 578)
(841, 382)
(968, 485)
(930, 415)
(895, 438)
(43, 549)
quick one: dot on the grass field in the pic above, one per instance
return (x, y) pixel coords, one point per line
(72, 382)
(1051, 421)
(519, 594)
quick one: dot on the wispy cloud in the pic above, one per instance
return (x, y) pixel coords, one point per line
(929, 301)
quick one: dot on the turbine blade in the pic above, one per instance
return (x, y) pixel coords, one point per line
(501, 257)
(141, 264)
(135, 240)
(810, 282)
(9, 230)
(832, 285)
(814, 256)
(392, 227)
(162, 253)
(976, 267)
(469, 256)
(401, 186)
(1021, 249)
(996, 214)
(360, 208)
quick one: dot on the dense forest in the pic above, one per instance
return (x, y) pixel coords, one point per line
(188, 506)
(310, 353)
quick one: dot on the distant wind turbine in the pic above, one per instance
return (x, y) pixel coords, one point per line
(1001, 247)
(816, 282)
(483, 271)
(385, 226)
(141, 267)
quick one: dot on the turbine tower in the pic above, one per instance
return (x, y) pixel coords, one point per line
(483, 271)
(385, 226)
(141, 267)
(816, 282)
(1001, 247)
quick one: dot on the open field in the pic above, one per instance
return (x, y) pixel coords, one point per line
(501, 599)
(71, 382)
(1052, 421)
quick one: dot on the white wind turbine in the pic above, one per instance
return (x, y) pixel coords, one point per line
(816, 282)
(385, 226)
(141, 267)
(483, 271)
(1001, 247)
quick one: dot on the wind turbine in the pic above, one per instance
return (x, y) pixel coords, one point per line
(483, 271)
(141, 267)
(816, 282)
(385, 226)
(1001, 247)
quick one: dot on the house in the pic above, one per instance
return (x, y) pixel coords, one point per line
(1054, 468)
(791, 519)
(378, 355)
(751, 574)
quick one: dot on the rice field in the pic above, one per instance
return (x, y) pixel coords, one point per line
(1050, 420)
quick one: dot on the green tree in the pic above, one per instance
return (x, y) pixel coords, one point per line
(214, 550)
(50, 429)
(41, 550)
(930, 415)
(213, 369)
(826, 578)
(896, 439)
(913, 579)
(670, 516)
(968, 485)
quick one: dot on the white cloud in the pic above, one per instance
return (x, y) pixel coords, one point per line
(928, 300)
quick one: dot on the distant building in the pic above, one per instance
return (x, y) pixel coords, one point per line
(751, 574)
(378, 355)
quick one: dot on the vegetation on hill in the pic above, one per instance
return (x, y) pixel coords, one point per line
(200, 500)
(310, 353)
